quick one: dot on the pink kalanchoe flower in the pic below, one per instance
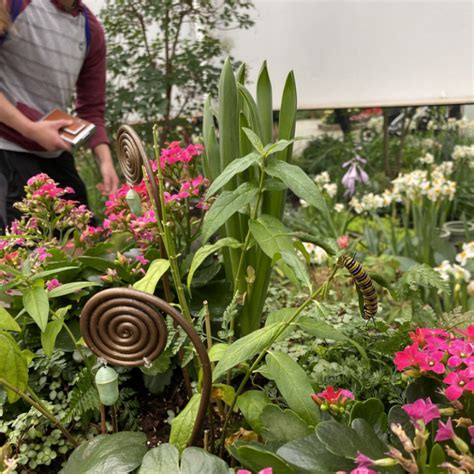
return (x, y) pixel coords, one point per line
(468, 333)
(52, 284)
(431, 361)
(445, 431)
(435, 343)
(363, 461)
(471, 433)
(363, 470)
(141, 259)
(42, 254)
(333, 396)
(459, 382)
(461, 353)
(422, 410)
(421, 334)
(407, 357)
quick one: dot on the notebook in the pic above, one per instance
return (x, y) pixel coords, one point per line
(77, 133)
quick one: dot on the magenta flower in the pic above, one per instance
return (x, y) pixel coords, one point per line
(363, 470)
(431, 361)
(42, 254)
(422, 410)
(471, 432)
(52, 284)
(459, 382)
(435, 343)
(407, 357)
(363, 461)
(445, 431)
(332, 396)
(461, 353)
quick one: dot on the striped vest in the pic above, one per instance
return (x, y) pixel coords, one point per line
(41, 59)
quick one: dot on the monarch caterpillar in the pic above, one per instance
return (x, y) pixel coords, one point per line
(364, 284)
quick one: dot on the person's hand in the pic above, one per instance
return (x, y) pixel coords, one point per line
(110, 180)
(46, 134)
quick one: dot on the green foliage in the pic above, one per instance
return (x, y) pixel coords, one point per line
(153, 275)
(182, 426)
(160, 67)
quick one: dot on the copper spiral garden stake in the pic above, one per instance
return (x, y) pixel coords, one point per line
(126, 327)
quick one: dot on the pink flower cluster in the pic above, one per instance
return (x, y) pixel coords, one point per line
(174, 153)
(439, 353)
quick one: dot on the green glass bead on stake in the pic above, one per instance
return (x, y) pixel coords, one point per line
(106, 381)
(134, 202)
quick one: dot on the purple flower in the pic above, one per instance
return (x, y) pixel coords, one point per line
(445, 431)
(354, 174)
(422, 410)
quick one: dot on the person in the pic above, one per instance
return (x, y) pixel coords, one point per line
(52, 52)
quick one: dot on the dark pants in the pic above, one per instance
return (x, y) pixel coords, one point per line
(15, 170)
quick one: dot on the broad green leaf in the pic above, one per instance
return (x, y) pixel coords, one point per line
(119, 453)
(271, 235)
(207, 250)
(198, 461)
(164, 459)
(437, 457)
(325, 331)
(373, 412)
(97, 263)
(370, 443)
(254, 140)
(310, 456)
(282, 425)
(13, 366)
(251, 404)
(182, 426)
(282, 315)
(280, 145)
(226, 205)
(297, 266)
(217, 351)
(48, 337)
(245, 348)
(234, 168)
(54, 271)
(69, 288)
(7, 323)
(294, 385)
(153, 275)
(340, 439)
(36, 303)
(257, 457)
(299, 182)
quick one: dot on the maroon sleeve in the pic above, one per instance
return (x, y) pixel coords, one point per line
(90, 87)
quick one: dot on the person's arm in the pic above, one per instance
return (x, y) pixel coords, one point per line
(44, 133)
(90, 103)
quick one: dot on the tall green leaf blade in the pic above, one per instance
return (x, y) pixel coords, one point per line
(211, 155)
(182, 426)
(245, 348)
(236, 167)
(36, 303)
(226, 205)
(7, 323)
(153, 275)
(208, 250)
(265, 104)
(293, 384)
(251, 111)
(13, 366)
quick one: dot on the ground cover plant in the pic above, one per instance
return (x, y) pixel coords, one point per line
(336, 314)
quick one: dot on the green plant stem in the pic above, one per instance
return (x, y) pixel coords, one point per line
(79, 349)
(35, 402)
(322, 289)
(168, 238)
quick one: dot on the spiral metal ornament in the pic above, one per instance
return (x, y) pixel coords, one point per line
(122, 330)
(132, 158)
(126, 327)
